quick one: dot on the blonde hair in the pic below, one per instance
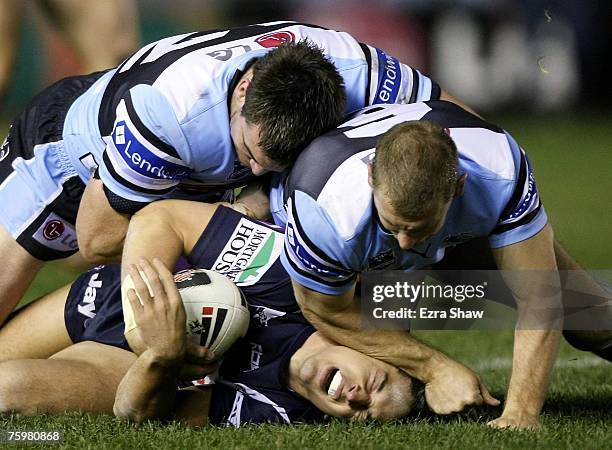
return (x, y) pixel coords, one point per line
(415, 167)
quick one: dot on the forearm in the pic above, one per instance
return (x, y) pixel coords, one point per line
(151, 233)
(535, 352)
(148, 389)
(100, 229)
(343, 325)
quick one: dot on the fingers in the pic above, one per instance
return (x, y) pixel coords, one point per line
(142, 290)
(487, 397)
(167, 281)
(151, 279)
(137, 307)
(152, 276)
(193, 371)
(198, 354)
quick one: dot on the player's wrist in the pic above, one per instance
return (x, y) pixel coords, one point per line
(162, 359)
(435, 365)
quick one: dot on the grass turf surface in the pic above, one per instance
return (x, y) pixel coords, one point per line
(571, 158)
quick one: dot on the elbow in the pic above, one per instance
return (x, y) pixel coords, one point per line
(99, 251)
(125, 412)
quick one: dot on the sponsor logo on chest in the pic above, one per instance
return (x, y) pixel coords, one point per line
(249, 253)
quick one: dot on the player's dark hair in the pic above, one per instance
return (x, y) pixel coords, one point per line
(415, 167)
(296, 94)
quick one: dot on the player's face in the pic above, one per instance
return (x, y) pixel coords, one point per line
(344, 383)
(410, 232)
(246, 142)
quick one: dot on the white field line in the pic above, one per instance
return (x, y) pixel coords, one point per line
(506, 363)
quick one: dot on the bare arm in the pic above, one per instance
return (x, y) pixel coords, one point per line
(450, 386)
(537, 335)
(165, 230)
(100, 229)
(148, 390)
(449, 98)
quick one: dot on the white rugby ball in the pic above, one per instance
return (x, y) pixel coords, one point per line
(217, 311)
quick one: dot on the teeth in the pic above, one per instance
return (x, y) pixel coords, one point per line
(335, 382)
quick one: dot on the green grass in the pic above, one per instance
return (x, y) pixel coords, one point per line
(572, 161)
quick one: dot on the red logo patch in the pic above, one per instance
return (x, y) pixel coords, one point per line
(53, 229)
(275, 39)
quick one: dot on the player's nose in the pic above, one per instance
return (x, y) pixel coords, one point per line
(357, 396)
(256, 168)
(405, 241)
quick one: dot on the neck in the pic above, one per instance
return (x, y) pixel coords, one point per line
(313, 345)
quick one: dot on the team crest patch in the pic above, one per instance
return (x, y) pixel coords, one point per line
(381, 260)
(275, 39)
(455, 239)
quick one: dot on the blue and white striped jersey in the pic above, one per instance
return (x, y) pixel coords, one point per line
(161, 117)
(333, 231)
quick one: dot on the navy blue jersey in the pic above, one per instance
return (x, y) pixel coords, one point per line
(251, 387)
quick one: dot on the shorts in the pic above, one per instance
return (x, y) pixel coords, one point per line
(93, 309)
(40, 190)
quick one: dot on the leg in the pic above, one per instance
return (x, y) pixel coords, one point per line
(598, 339)
(11, 12)
(18, 271)
(37, 330)
(83, 377)
(87, 24)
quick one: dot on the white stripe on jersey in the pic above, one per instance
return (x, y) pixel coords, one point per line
(309, 262)
(375, 67)
(378, 127)
(183, 88)
(234, 417)
(349, 175)
(486, 148)
(122, 114)
(530, 198)
(256, 395)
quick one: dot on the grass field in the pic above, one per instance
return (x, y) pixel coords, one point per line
(572, 161)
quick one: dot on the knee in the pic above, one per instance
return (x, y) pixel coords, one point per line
(14, 389)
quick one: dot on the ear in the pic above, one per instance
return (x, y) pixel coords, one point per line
(241, 88)
(370, 182)
(460, 186)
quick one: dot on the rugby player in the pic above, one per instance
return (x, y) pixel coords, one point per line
(195, 114)
(393, 188)
(276, 373)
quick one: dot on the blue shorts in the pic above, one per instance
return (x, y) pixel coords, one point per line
(40, 190)
(93, 309)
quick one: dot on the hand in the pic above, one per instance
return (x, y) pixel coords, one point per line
(160, 318)
(455, 386)
(199, 362)
(516, 422)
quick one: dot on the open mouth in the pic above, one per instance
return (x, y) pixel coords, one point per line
(335, 379)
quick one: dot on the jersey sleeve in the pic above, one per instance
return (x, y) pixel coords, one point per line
(315, 255)
(142, 160)
(391, 81)
(523, 215)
